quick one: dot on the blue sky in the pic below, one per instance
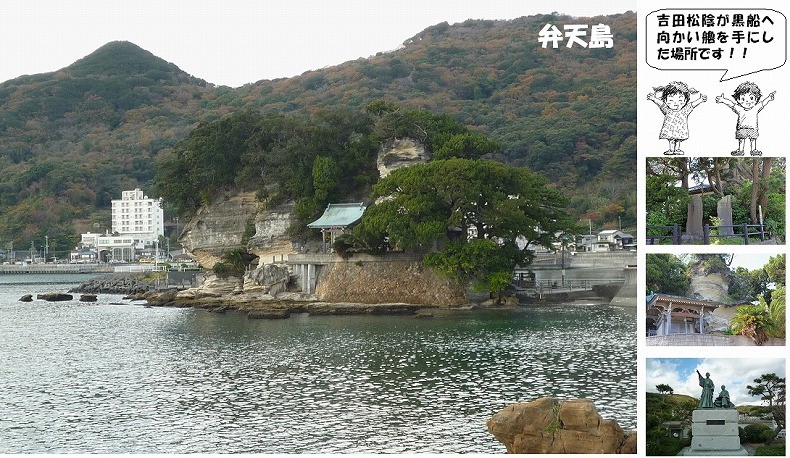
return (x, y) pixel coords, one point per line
(734, 373)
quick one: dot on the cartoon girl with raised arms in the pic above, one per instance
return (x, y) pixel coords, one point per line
(746, 105)
(674, 101)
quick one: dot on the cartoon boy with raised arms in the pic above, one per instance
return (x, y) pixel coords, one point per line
(746, 105)
(674, 101)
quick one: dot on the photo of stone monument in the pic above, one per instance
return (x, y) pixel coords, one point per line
(715, 201)
(715, 407)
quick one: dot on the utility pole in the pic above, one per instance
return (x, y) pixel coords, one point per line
(156, 262)
(32, 250)
(562, 272)
(46, 248)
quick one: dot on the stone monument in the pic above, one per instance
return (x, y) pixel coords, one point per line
(694, 217)
(714, 423)
(724, 212)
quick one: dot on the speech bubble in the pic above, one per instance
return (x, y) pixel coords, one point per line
(737, 41)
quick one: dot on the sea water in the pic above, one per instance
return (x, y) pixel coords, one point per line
(116, 377)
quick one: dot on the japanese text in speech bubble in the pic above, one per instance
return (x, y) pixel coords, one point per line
(737, 41)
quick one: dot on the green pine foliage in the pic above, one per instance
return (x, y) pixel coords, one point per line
(415, 206)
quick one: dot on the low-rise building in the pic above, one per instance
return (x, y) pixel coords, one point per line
(116, 248)
(585, 242)
(83, 256)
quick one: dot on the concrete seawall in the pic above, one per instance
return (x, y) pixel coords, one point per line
(55, 269)
(585, 260)
(626, 296)
(705, 340)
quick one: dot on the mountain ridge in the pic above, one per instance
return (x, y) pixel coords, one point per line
(73, 139)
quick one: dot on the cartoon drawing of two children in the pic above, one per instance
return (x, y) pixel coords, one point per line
(675, 102)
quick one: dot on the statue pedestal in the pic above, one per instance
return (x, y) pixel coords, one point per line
(715, 432)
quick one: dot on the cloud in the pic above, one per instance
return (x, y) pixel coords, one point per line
(664, 371)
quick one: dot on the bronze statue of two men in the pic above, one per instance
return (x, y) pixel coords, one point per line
(706, 401)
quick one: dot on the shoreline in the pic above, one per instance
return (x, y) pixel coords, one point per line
(257, 305)
(283, 307)
(279, 308)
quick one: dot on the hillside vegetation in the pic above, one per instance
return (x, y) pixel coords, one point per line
(73, 139)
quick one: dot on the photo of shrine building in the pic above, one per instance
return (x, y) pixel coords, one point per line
(674, 318)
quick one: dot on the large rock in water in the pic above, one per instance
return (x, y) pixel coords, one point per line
(55, 297)
(548, 425)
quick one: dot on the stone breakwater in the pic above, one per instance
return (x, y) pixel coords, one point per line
(123, 283)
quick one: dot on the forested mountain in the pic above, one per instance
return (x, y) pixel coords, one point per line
(71, 140)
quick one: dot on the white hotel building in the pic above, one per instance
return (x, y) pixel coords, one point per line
(137, 222)
(138, 216)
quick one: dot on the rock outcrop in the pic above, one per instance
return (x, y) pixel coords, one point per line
(399, 153)
(219, 227)
(710, 286)
(268, 279)
(270, 243)
(215, 286)
(548, 425)
(326, 308)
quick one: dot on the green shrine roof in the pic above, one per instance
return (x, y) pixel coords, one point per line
(339, 215)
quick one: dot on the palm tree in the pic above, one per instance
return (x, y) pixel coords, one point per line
(776, 313)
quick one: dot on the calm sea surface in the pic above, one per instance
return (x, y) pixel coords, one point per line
(115, 377)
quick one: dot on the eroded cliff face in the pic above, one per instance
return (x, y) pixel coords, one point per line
(711, 286)
(240, 222)
(219, 227)
(399, 153)
(270, 243)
